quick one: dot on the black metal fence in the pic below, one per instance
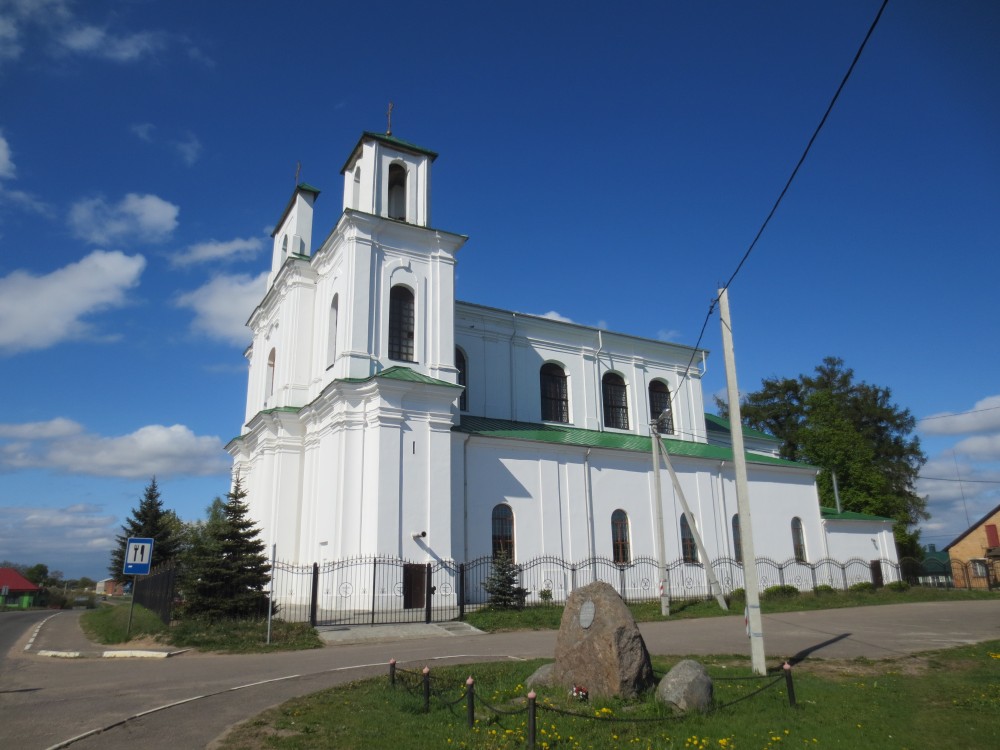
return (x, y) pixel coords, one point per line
(155, 592)
(379, 590)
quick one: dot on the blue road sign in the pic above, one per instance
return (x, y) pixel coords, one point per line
(138, 556)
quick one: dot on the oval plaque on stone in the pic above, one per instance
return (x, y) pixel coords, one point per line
(587, 614)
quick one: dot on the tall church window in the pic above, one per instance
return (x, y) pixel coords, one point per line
(503, 530)
(269, 377)
(401, 324)
(397, 192)
(331, 341)
(798, 542)
(463, 379)
(555, 396)
(284, 244)
(737, 539)
(621, 551)
(356, 189)
(689, 550)
(659, 403)
(615, 401)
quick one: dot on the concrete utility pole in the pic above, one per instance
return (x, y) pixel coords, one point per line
(751, 585)
(661, 553)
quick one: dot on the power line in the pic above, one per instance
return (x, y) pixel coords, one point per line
(788, 184)
(964, 481)
(959, 413)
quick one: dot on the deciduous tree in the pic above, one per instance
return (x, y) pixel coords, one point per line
(849, 428)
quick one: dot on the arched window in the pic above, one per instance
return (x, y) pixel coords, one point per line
(737, 539)
(463, 379)
(621, 550)
(401, 324)
(503, 530)
(798, 542)
(615, 401)
(356, 189)
(659, 404)
(284, 244)
(269, 377)
(397, 192)
(555, 397)
(331, 336)
(689, 550)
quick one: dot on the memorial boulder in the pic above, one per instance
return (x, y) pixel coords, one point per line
(599, 646)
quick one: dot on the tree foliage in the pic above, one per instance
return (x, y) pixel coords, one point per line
(849, 428)
(149, 520)
(225, 566)
(501, 585)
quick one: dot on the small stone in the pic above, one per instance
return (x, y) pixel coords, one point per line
(686, 687)
(541, 677)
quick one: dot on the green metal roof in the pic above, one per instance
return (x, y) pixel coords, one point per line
(399, 372)
(305, 187)
(390, 140)
(831, 514)
(557, 434)
(718, 424)
(302, 187)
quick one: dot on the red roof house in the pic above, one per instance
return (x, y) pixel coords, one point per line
(15, 589)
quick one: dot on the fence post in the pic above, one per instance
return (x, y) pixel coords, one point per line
(461, 591)
(812, 569)
(531, 720)
(843, 573)
(374, 587)
(789, 684)
(427, 690)
(470, 701)
(572, 579)
(392, 672)
(314, 598)
(428, 590)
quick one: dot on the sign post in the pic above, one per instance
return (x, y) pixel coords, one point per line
(138, 558)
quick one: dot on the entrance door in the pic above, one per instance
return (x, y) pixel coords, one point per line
(876, 568)
(414, 595)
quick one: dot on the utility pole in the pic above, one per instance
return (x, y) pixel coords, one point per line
(661, 559)
(751, 585)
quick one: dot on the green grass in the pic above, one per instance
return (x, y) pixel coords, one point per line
(947, 699)
(243, 636)
(109, 624)
(547, 617)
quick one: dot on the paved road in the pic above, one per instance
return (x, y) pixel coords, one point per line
(44, 702)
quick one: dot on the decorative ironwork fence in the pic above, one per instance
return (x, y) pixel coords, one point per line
(380, 590)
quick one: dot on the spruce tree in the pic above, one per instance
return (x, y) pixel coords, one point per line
(228, 568)
(501, 586)
(149, 520)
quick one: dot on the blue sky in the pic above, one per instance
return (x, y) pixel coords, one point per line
(610, 163)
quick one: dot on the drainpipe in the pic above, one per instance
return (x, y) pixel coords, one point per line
(465, 497)
(513, 390)
(588, 493)
(597, 378)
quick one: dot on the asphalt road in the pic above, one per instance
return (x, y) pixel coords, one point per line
(44, 702)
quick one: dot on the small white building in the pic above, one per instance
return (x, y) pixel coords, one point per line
(386, 418)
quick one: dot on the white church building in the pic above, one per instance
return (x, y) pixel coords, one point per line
(385, 417)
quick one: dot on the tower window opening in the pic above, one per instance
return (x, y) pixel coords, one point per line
(397, 192)
(401, 324)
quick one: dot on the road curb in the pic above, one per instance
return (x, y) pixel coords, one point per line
(122, 654)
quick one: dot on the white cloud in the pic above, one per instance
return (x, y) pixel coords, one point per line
(189, 149)
(93, 40)
(668, 334)
(553, 315)
(146, 218)
(6, 160)
(980, 447)
(54, 428)
(96, 282)
(26, 201)
(984, 416)
(151, 450)
(10, 39)
(223, 305)
(143, 131)
(76, 539)
(218, 250)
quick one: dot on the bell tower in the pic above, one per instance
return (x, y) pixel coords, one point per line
(390, 178)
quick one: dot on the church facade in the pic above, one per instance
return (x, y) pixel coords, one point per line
(384, 417)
